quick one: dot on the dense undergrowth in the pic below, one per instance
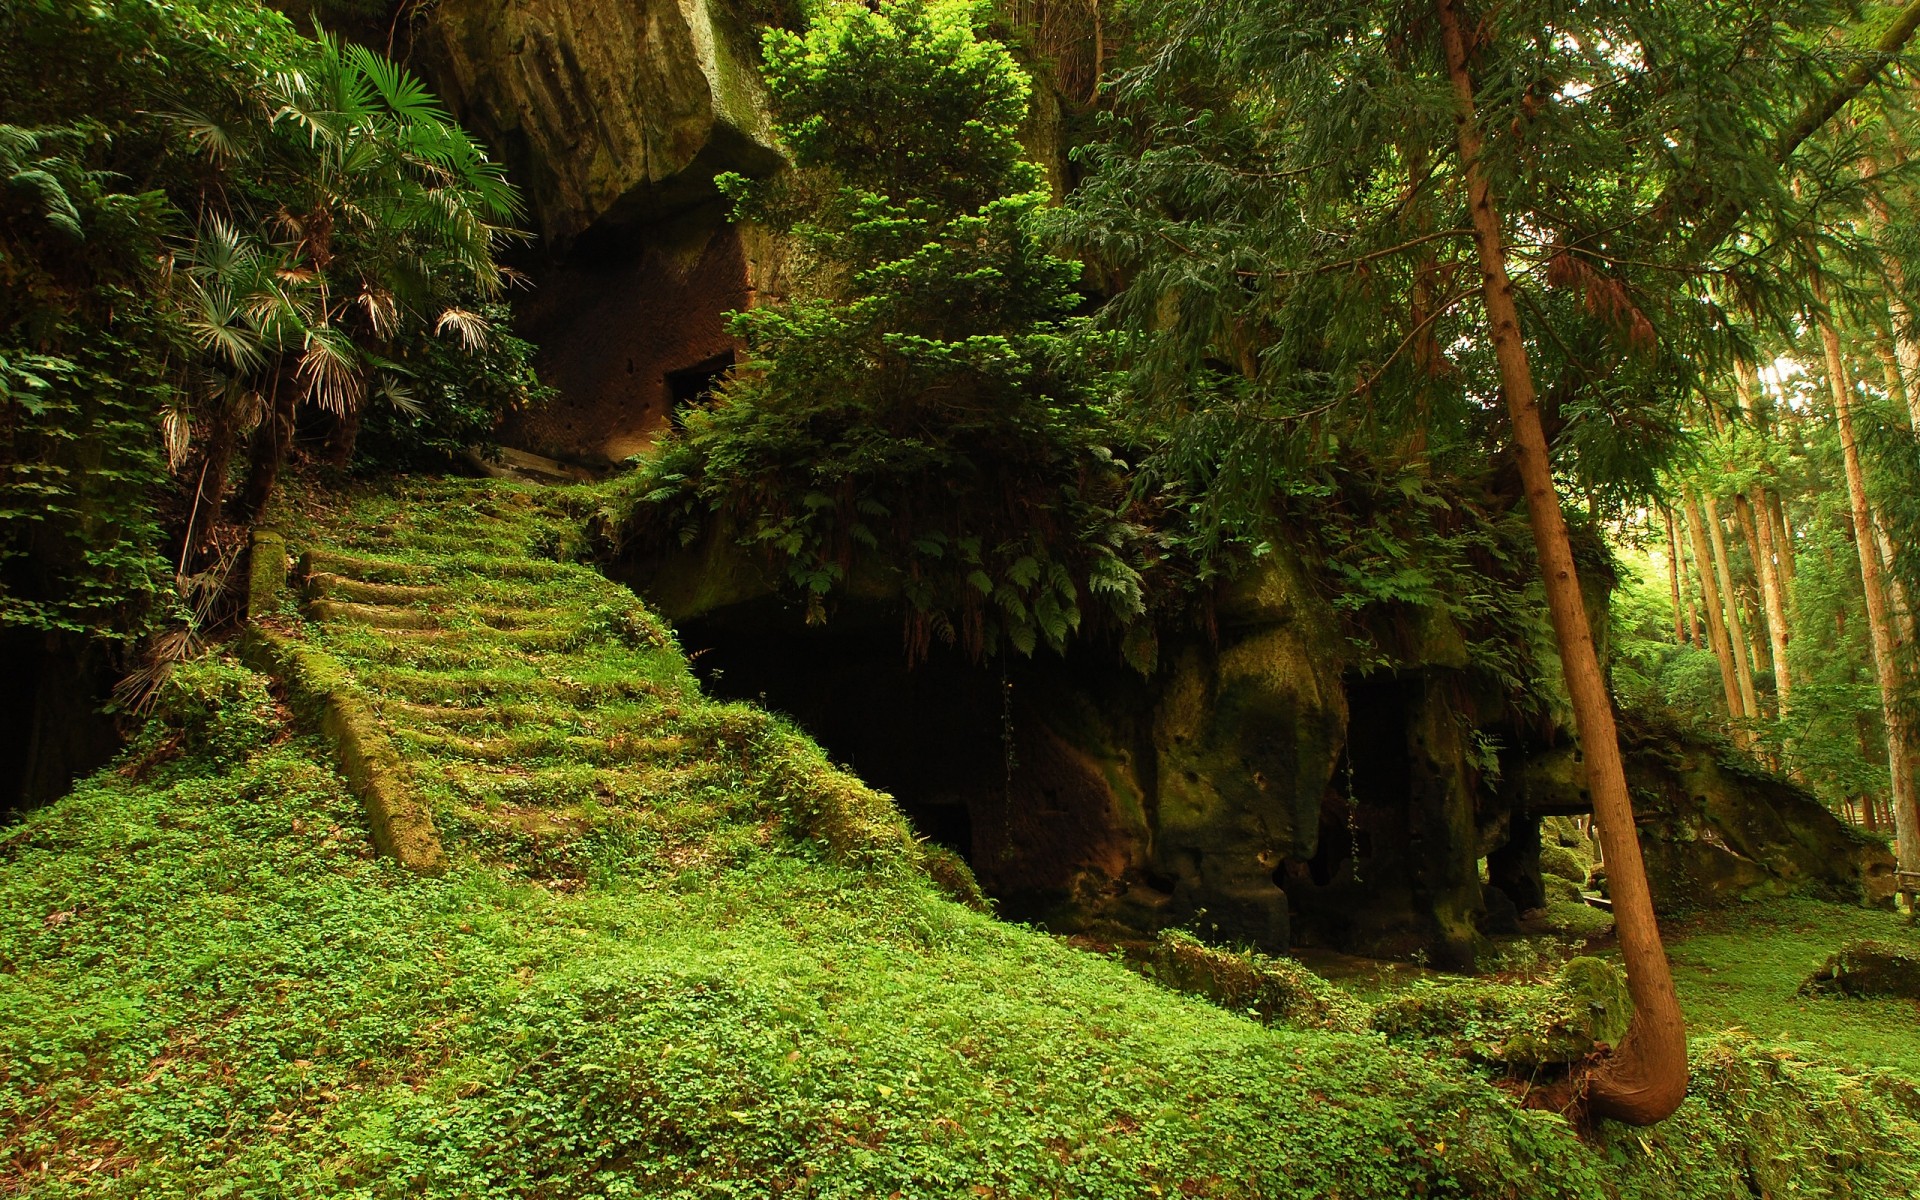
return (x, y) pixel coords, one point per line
(212, 987)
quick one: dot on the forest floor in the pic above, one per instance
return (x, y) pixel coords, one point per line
(676, 953)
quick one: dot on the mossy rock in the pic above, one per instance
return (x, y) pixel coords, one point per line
(1577, 918)
(1563, 862)
(1869, 969)
(1562, 831)
(1561, 890)
(1273, 990)
(1584, 1009)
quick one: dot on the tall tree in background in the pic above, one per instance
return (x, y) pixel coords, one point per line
(1585, 165)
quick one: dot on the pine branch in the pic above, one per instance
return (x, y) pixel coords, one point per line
(1720, 222)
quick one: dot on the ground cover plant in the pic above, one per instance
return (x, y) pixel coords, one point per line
(218, 989)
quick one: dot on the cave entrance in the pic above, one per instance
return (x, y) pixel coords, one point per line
(695, 384)
(993, 760)
(931, 736)
(1358, 866)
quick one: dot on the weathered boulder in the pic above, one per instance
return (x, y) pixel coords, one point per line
(1714, 825)
(1245, 732)
(604, 110)
(1869, 969)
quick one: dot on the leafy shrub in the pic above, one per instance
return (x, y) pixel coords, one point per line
(917, 409)
(216, 708)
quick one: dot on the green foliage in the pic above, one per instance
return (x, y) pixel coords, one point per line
(440, 399)
(206, 220)
(212, 708)
(214, 987)
(916, 412)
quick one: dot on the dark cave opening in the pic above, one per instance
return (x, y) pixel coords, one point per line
(689, 386)
(1357, 876)
(932, 736)
(985, 758)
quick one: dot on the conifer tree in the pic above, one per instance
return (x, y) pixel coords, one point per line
(1578, 171)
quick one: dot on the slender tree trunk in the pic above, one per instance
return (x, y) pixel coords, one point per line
(272, 441)
(1783, 545)
(1673, 577)
(1716, 625)
(1736, 632)
(1906, 819)
(209, 493)
(1759, 528)
(1901, 607)
(1645, 1078)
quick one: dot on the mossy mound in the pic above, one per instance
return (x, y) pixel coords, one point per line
(1583, 1010)
(1870, 969)
(1258, 985)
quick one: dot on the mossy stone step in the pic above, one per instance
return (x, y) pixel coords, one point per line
(324, 585)
(373, 616)
(535, 745)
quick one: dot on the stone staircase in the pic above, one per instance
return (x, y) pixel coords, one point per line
(489, 701)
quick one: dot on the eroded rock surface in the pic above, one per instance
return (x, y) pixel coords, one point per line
(621, 109)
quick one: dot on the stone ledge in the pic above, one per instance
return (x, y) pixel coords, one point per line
(318, 687)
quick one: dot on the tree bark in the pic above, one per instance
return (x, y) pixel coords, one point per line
(209, 493)
(1673, 577)
(1900, 314)
(1736, 631)
(1716, 624)
(1783, 544)
(1906, 819)
(272, 442)
(1645, 1078)
(1759, 527)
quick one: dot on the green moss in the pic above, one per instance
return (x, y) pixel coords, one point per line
(716, 966)
(1258, 985)
(1584, 1009)
(1559, 860)
(1743, 968)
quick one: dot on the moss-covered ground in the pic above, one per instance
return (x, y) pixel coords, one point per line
(1742, 968)
(678, 954)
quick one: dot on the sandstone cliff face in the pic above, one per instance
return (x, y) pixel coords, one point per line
(604, 109)
(614, 117)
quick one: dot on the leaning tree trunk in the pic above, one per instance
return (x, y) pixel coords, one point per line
(1906, 819)
(1645, 1078)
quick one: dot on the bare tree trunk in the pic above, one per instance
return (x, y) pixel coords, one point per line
(1759, 529)
(1736, 633)
(1783, 545)
(272, 441)
(209, 493)
(1716, 624)
(1645, 1078)
(1906, 819)
(1673, 577)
